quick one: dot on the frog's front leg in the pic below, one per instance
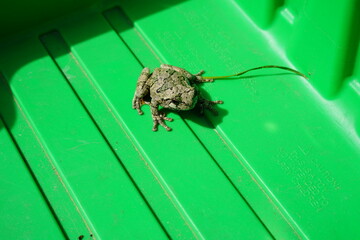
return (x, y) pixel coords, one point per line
(142, 89)
(207, 104)
(158, 118)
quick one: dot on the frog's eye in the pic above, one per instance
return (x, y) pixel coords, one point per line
(176, 102)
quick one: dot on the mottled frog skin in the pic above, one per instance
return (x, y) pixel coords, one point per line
(170, 87)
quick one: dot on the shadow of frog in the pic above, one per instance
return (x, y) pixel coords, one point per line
(203, 117)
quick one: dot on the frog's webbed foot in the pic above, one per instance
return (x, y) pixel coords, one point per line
(159, 119)
(207, 104)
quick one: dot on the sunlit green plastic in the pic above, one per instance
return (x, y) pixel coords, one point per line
(280, 161)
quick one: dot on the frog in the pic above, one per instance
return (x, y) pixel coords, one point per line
(173, 88)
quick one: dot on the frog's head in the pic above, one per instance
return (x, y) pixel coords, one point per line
(181, 100)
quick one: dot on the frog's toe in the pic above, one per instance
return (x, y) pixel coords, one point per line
(163, 116)
(159, 119)
(167, 128)
(155, 127)
(209, 105)
(137, 103)
(140, 112)
(137, 106)
(200, 73)
(156, 124)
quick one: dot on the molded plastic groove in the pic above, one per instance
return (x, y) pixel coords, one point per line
(264, 189)
(54, 42)
(70, 206)
(56, 217)
(48, 42)
(118, 20)
(81, 153)
(272, 200)
(225, 173)
(126, 22)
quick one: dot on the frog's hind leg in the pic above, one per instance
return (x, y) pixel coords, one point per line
(201, 72)
(199, 79)
(142, 89)
(207, 104)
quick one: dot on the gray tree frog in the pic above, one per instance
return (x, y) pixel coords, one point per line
(170, 87)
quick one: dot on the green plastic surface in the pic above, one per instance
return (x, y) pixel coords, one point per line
(280, 161)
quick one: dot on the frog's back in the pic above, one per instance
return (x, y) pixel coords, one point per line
(161, 76)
